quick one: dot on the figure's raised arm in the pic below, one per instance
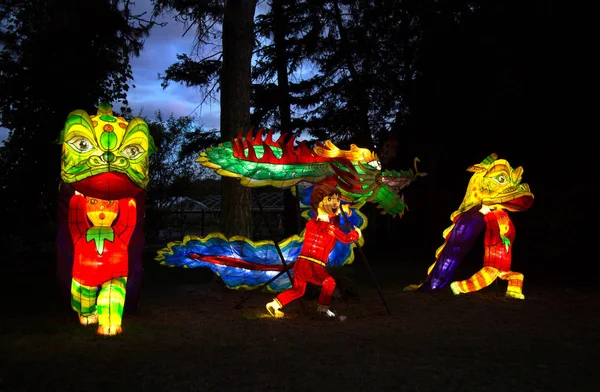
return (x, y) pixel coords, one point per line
(127, 219)
(78, 223)
(346, 238)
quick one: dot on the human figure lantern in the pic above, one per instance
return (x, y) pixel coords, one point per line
(320, 237)
(257, 160)
(104, 172)
(494, 188)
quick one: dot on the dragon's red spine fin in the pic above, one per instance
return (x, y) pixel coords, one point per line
(251, 153)
(281, 139)
(303, 149)
(288, 151)
(269, 139)
(238, 148)
(290, 142)
(257, 141)
(290, 154)
(249, 136)
(268, 155)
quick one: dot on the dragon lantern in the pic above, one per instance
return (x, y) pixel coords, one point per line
(494, 188)
(257, 160)
(104, 172)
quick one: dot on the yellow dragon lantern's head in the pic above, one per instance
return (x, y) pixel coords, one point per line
(104, 156)
(495, 183)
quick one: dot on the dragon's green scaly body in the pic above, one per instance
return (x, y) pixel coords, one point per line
(259, 161)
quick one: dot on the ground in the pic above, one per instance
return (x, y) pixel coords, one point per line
(189, 335)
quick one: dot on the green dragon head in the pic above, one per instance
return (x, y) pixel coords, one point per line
(496, 183)
(364, 181)
(105, 156)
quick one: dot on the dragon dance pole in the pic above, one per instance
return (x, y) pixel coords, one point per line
(363, 257)
(285, 268)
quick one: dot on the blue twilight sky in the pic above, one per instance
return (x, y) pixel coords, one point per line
(160, 50)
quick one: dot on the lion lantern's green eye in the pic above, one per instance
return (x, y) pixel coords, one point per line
(133, 151)
(501, 179)
(81, 144)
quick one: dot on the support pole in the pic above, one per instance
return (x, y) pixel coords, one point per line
(363, 257)
(285, 268)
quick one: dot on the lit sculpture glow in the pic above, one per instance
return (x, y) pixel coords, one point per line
(104, 172)
(259, 161)
(320, 238)
(494, 188)
(357, 173)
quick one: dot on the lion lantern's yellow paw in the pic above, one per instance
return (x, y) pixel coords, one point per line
(109, 330)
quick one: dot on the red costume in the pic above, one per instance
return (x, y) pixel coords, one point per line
(319, 239)
(101, 252)
(499, 236)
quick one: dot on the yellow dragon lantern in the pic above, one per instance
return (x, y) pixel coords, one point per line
(494, 189)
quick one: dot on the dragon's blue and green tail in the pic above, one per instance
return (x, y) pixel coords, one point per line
(245, 264)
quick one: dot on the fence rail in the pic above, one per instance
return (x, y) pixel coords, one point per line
(174, 225)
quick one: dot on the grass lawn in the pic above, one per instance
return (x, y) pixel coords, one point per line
(188, 335)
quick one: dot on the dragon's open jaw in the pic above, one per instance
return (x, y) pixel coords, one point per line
(514, 199)
(519, 204)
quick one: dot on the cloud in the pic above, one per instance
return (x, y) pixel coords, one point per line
(159, 52)
(3, 135)
(172, 104)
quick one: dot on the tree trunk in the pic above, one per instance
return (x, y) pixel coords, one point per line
(290, 204)
(238, 43)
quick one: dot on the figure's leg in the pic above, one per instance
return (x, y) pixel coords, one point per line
(111, 302)
(515, 284)
(321, 277)
(327, 291)
(83, 301)
(274, 307)
(481, 279)
(325, 297)
(286, 297)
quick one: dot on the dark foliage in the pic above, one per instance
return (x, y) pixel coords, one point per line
(173, 170)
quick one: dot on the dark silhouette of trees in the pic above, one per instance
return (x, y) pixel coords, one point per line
(174, 172)
(360, 59)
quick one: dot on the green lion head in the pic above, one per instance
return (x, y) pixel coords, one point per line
(94, 145)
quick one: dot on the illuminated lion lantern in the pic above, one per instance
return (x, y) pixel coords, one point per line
(104, 173)
(494, 188)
